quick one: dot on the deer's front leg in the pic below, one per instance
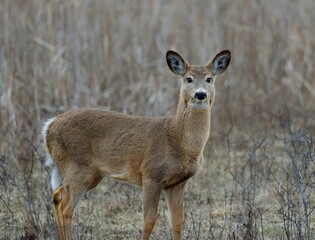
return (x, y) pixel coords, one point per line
(151, 195)
(175, 204)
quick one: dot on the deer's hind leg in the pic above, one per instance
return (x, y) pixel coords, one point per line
(65, 199)
(67, 196)
(61, 199)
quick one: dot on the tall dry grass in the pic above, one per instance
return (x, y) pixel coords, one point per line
(59, 55)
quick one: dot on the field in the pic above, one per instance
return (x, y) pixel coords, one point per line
(258, 178)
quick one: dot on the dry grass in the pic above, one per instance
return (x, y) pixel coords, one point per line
(60, 55)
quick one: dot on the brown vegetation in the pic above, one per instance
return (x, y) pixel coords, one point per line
(257, 179)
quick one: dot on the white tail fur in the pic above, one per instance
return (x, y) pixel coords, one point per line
(56, 178)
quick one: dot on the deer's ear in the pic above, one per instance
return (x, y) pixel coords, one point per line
(176, 63)
(220, 63)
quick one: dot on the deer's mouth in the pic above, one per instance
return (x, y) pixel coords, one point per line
(198, 104)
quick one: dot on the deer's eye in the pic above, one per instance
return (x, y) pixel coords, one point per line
(209, 80)
(189, 80)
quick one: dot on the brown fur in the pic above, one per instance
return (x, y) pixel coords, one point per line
(153, 153)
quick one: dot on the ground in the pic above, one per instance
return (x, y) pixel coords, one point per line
(254, 188)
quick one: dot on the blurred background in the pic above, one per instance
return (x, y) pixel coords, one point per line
(58, 55)
(61, 55)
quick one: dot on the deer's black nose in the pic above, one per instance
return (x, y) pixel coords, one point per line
(200, 95)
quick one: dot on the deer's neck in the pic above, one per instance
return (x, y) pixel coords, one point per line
(191, 128)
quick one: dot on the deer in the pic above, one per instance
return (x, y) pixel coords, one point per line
(157, 154)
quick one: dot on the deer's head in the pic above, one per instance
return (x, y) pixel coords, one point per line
(198, 81)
